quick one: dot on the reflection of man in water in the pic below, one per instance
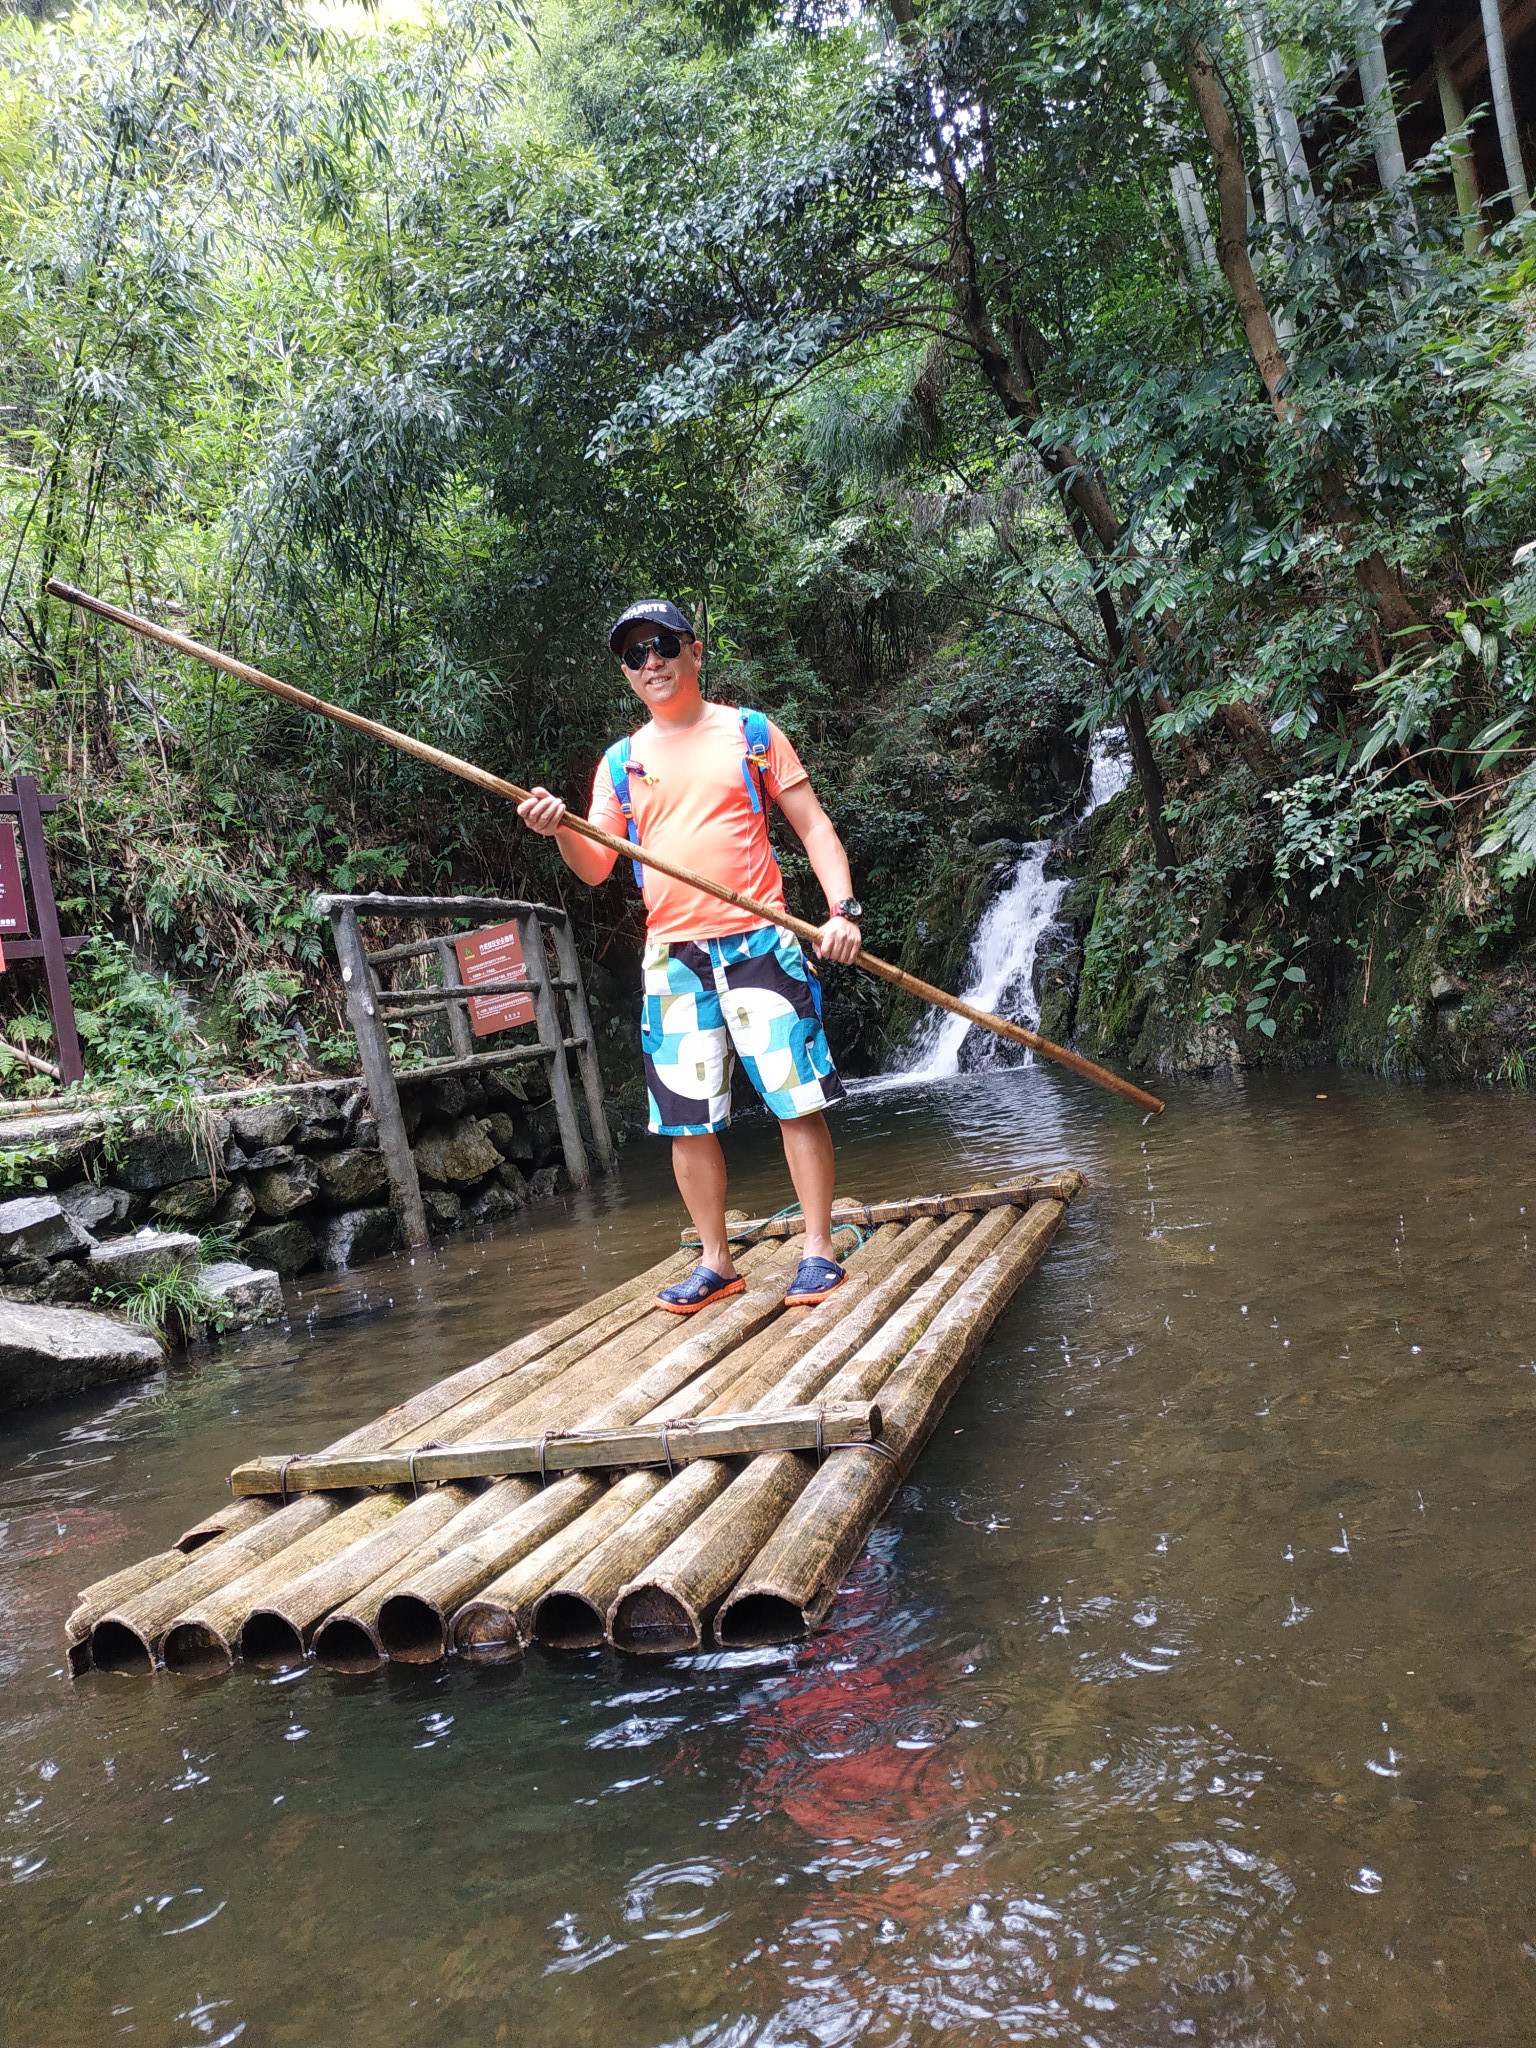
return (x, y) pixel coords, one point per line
(852, 1749)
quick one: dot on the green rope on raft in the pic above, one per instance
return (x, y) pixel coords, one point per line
(789, 1209)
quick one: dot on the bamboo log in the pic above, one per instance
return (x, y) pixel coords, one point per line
(788, 1336)
(767, 913)
(413, 1619)
(635, 1326)
(348, 1638)
(790, 1372)
(227, 1520)
(278, 1629)
(741, 1317)
(667, 1607)
(434, 1402)
(792, 1582)
(556, 1392)
(128, 1636)
(204, 1635)
(865, 1216)
(573, 1614)
(100, 1598)
(606, 1393)
(498, 1622)
(583, 1450)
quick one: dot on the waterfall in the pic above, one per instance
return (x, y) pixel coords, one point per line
(1000, 970)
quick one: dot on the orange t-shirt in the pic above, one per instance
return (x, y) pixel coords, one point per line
(690, 803)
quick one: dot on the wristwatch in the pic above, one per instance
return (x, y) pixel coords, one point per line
(849, 907)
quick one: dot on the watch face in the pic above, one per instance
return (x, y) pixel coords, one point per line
(851, 908)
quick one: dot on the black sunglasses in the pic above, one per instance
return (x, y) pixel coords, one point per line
(667, 646)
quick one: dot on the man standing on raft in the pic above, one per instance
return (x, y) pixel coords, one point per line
(695, 784)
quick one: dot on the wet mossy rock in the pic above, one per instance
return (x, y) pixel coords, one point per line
(253, 1293)
(445, 1210)
(454, 1154)
(1404, 986)
(353, 1177)
(289, 1247)
(38, 1227)
(265, 1123)
(189, 1202)
(161, 1159)
(126, 1262)
(354, 1236)
(279, 1190)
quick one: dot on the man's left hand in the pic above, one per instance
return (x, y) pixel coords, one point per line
(838, 939)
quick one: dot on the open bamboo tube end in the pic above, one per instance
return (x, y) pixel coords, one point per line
(344, 1644)
(270, 1638)
(652, 1622)
(117, 1645)
(567, 1621)
(487, 1631)
(195, 1647)
(759, 1619)
(412, 1630)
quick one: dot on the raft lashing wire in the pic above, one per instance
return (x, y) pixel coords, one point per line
(613, 1476)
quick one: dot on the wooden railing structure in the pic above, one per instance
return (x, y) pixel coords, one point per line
(371, 1007)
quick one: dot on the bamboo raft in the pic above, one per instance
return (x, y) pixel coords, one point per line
(613, 1476)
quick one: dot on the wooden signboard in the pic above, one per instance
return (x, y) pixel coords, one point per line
(28, 804)
(494, 955)
(13, 902)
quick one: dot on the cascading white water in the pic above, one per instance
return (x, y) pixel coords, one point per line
(1000, 972)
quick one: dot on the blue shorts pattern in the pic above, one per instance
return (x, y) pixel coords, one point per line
(706, 1003)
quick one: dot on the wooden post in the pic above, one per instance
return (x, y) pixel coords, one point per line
(50, 944)
(460, 1035)
(546, 1010)
(373, 1046)
(586, 1055)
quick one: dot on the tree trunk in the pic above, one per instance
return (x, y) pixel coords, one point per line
(1373, 573)
(1194, 222)
(1232, 230)
(1504, 105)
(1468, 199)
(1386, 142)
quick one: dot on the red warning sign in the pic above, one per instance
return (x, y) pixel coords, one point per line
(13, 902)
(495, 954)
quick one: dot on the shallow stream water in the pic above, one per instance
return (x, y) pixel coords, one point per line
(1185, 1694)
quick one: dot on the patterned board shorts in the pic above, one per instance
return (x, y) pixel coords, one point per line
(709, 1001)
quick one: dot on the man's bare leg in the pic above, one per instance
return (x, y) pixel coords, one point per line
(812, 1168)
(699, 1167)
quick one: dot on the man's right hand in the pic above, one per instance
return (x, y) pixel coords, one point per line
(542, 813)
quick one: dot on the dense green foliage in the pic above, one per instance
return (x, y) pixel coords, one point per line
(397, 350)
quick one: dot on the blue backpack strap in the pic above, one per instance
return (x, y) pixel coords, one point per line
(756, 740)
(617, 758)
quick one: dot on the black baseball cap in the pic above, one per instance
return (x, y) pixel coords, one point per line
(650, 611)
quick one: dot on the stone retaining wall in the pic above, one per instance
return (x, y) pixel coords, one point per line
(294, 1180)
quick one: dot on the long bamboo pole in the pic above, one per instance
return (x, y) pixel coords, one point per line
(585, 829)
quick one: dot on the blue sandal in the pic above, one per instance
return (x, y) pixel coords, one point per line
(814, 1280)
(687, 1297)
